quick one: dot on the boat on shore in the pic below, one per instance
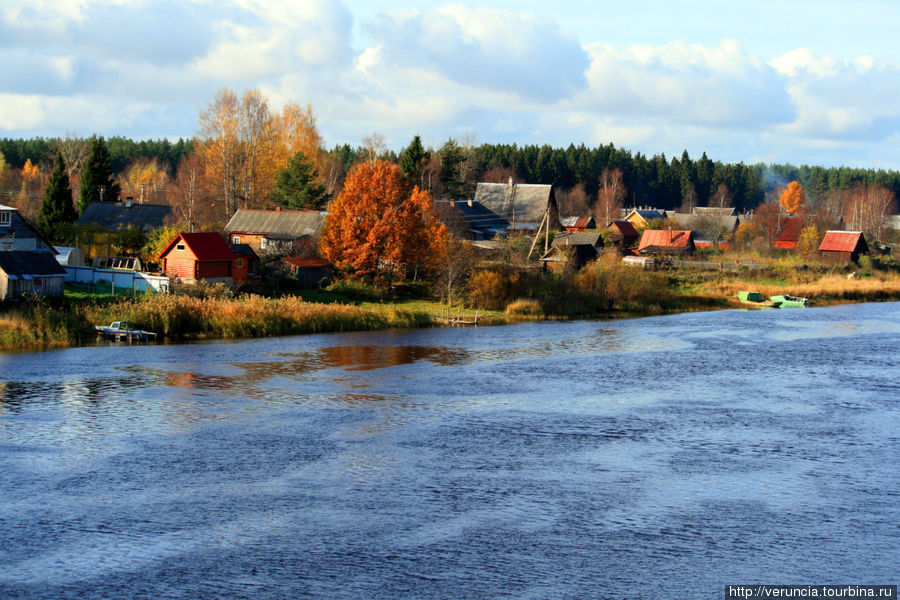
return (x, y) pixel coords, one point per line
(788, 301)
(123, 331)
(756, 300)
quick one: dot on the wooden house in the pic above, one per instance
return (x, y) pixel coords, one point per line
(25, 272)
(843, 246)
(789, 233)
(666, 242)
(470, 220)
(17, 234)
(622, 233)
(276, 232)
(250, 268)
(578, 223)
(193, 257)
(527, 208)
(640, 217)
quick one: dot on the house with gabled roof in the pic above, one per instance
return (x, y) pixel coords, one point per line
(789, 233)
(17, 234)
(118, 216)
(622, 233)
(578, 223)
(206, 256)
(24, 272)
(666, 242)
(276, 232)
(573, 250)
(526, 207)
(843, 246)
(640, 217)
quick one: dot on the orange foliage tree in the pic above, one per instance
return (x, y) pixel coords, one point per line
(792, 199)
(379, 227)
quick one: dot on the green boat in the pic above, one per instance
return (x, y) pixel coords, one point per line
(788, 301)
(756, 299)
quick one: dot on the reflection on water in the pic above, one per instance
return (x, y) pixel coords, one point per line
(652, 458)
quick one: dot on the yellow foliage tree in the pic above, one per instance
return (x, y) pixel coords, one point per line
(808, 242)
(792, 199)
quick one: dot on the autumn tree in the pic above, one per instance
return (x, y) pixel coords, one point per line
(610, 196)
(190, 194)
(573, 202)
(299, 133)
(792, 199)
(867, 207)
(809, 240)
(722, 197)
(143, 177)
(56, 205)
(97, 183)
(296, 186)
(379, 227)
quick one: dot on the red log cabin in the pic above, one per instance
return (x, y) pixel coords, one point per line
(204, 256)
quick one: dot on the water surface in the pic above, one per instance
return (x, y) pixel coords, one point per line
(651, 458)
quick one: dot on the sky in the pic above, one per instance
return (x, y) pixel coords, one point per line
(787, 81)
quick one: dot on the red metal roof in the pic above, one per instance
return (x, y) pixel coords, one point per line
(842, 241)
(299, 261)
(205, 245)
(666, 238)
(625, 227)
(790, 233)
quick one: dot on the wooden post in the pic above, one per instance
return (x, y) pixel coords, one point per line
(538, 234)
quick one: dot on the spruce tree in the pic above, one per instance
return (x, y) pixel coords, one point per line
(56, 205)
(413, 159)
(295, 185)
(97, 175)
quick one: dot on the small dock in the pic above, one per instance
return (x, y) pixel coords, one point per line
(448, 318)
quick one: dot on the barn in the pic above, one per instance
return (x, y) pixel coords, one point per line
(843, 246)
(206, 256)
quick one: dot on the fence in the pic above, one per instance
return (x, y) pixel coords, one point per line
(124, 280)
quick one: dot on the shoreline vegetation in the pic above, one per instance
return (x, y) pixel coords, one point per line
(501, 296)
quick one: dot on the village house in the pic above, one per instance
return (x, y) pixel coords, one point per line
(622, 233)
(469, 220)
(192, 257)
(17, 234)
(578, 223)
(572, 250)
(666, 242)
(789, 233)
(640, 217)
(24, 272)
(276, 232)
(843, 246)
(526, 208)
(712, 226)
(110, 218)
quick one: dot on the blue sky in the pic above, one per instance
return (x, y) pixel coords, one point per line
(791, 81)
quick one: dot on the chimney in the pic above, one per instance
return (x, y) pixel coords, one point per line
(470, 202)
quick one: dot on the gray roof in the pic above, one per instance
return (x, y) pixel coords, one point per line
(524, 203)
(18, 228)
(579, 238)
(704, 221)
(714, 211)
(289, 223)
(29, 263)
(116, 216)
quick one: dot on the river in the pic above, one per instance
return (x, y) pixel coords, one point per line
(660, 457)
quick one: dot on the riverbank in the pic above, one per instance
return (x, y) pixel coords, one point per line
(181, 317)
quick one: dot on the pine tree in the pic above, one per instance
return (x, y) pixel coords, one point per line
(97, 177)
(56, 205)
(295, 185)
(413, 159)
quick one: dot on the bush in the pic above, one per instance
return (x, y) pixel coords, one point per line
(524, 306)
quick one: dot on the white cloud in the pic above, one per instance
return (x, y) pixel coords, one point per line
(485, 48)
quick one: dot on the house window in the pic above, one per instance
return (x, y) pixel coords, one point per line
(264, 243)
(239, 263)
(5, 218)
(235, 239)
(179, 247)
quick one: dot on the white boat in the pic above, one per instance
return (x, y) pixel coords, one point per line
(122, 330)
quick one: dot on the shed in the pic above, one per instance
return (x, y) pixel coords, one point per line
(248, 268)
(843, 246)
(622, 233)
(29, 272)
(573, 250)
(310, 271)
(578, 223)
(667, 242)
(200, 256)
